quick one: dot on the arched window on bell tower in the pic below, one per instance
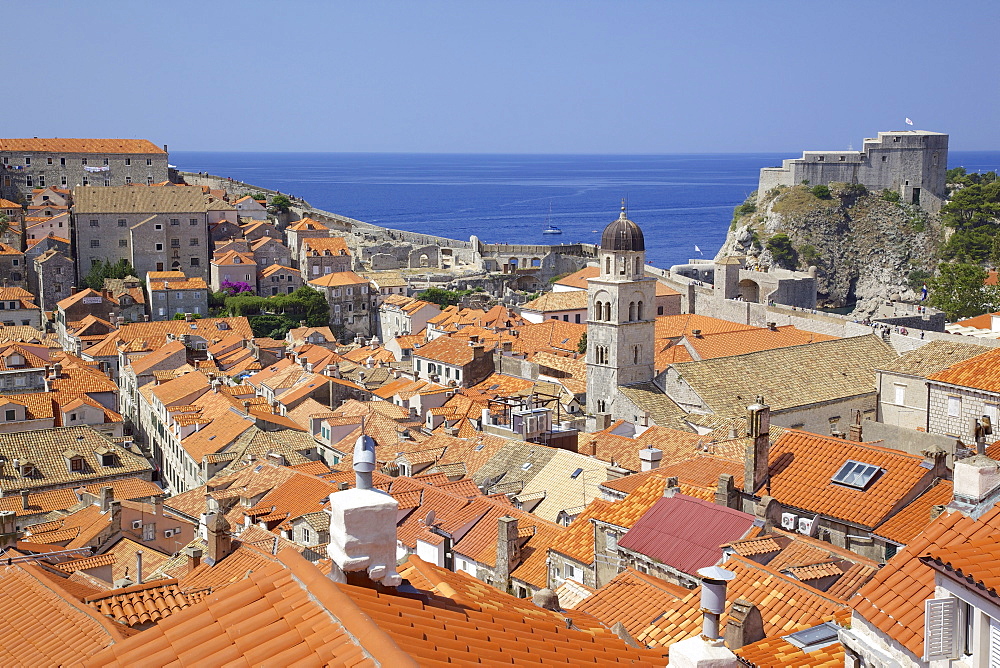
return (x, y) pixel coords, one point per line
(607, 265)
(631, 311)
(638, 311)
(638, 267)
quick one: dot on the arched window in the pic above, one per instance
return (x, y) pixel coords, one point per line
(635, 354)
(631, 311)
(638, 311)
(607, 311)
(607, 265)
(638, 267)
(623, 267)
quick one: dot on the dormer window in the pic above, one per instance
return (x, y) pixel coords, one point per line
(27, 469)
(15, 360)
(10, 414)
(74, 460)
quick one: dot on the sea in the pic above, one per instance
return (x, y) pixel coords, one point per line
(683, 202)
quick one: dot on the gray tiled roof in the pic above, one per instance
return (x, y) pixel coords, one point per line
(661, 408)
(789, 377)
(44, 449)
(933, 357)
(138, 199)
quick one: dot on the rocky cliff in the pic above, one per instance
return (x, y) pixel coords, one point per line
(865, 246)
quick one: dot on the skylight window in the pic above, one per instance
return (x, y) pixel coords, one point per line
(525, 466)
(856, 474)
(815, 638)
(576, 474)
(479, 447)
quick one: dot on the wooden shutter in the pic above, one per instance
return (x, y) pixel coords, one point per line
(940, 628)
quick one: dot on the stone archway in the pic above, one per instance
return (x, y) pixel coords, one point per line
(749, 290)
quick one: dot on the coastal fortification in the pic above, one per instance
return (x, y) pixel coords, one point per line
(910, 162)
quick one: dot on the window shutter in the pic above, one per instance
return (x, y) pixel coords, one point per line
(940, 624)
(994, 643)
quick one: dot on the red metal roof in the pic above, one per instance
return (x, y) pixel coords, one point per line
(686, 533)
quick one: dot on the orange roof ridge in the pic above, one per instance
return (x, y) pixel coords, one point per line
(377, 643)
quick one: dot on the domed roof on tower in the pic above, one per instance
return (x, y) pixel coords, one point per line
(623, 235)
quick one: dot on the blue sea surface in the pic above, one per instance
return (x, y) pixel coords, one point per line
(680, 201)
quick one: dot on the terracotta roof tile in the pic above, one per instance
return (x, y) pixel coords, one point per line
(802, 467)
(905, 525)
(632, 598)
(785, 604)
(893, 600)
(777, 652)
(62, 145)
(45, 625)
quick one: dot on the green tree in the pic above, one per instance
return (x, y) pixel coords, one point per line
(107, 269)
(960, 291)
(917, 279)
(281, 203)
(821, 191)
(972, 206)
(274, 316)
(782, 251)
(442, 297)
(581, 346)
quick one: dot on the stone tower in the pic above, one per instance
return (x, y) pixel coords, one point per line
(620, 318)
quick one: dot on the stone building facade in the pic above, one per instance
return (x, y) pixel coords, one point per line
(156, 229)
(621, 317)
(318, 257)
(54, 274)
(13, 272)
(171, 292)
(910, 162)
(26, 164)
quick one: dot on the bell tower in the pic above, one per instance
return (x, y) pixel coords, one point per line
(620, 318)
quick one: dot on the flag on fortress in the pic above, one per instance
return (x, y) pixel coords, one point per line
(909, 122)
(696, 248)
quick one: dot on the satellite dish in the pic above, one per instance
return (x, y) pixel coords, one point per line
(429, 520)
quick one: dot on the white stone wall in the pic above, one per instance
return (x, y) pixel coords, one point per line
(972, 404)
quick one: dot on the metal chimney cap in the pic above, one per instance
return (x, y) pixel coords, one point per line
(716, 573)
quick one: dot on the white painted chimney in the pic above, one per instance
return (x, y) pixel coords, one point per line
(363, 526)
(650, 458)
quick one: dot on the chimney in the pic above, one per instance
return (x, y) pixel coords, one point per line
(650, 458)
(508, 552)
(744, 625)
(758, 428)
(713, 599)
(107, 496)
(976, 478)
(138, 567)
(8, 529)
(726, 493)
(115, 510)
(590, 448)
(188, 317)
(158, 506)
(671, 487)
(773, 326)
(220, 543)
(193, 557)
(363, 526)
(696, 333)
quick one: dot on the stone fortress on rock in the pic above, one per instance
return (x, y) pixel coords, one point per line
(910, 162)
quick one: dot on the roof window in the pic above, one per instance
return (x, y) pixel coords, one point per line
(815, 638)
(576, 474)
(525, 466)
(856, 474)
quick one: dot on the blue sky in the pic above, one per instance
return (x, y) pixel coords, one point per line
(475, 76)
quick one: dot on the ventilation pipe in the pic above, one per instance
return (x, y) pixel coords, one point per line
(713, 598)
